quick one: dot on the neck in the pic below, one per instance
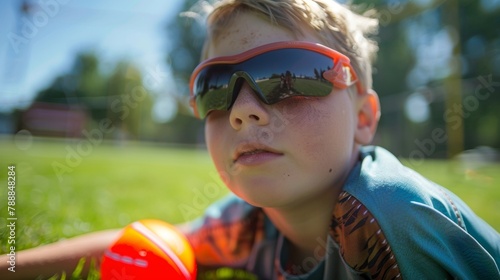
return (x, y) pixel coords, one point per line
(306, 224)
(306, 227)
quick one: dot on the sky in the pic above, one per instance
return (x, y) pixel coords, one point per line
(37, 47)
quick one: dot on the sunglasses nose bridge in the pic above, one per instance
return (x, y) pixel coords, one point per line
(235, 86)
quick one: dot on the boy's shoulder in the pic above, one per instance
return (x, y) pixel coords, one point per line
(380, 177)
(420, 219)
(391, 190)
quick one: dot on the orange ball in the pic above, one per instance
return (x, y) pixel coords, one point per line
(149, 249)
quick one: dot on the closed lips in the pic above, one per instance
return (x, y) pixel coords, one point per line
(252, 149)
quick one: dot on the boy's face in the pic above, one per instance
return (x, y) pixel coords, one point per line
(278, 155)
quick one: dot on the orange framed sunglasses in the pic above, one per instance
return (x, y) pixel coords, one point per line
(274, 71)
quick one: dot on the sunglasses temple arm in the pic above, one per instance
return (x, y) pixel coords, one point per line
(342, 76)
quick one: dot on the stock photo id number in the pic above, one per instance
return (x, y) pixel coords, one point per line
(11, 216)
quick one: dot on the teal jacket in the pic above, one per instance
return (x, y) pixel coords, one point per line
(432, 232)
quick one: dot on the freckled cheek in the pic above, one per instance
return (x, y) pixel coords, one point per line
(316, 139)
(325, 136)
(215, 143)
(295, 110)
(308, 134)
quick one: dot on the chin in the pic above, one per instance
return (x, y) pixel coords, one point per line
(265, 195)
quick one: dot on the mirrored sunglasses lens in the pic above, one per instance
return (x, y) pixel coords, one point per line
(290, 72)
(211, 88)
(278, 74)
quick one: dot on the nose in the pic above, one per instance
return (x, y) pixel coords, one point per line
(248, 109)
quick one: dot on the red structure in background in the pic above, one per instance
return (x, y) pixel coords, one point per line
(54, 120)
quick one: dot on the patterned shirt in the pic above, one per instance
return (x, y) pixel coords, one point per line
(388, 223)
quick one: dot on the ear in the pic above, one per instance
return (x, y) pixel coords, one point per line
(368, 117)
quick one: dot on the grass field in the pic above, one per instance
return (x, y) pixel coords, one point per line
(69, 188)
(110, 187)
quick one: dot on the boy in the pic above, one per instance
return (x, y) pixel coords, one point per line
(310, 200)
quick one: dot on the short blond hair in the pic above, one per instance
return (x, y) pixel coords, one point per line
(336, 26)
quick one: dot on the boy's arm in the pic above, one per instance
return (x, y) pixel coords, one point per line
(51, 259)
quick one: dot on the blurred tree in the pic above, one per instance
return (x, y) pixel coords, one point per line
(90, 79)
(424, 49)
(58, 92)
(129, 103)
(185, 35)
(83, 85)
(480, 36)
(121, 97)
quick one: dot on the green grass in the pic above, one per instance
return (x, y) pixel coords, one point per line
(113, 185)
